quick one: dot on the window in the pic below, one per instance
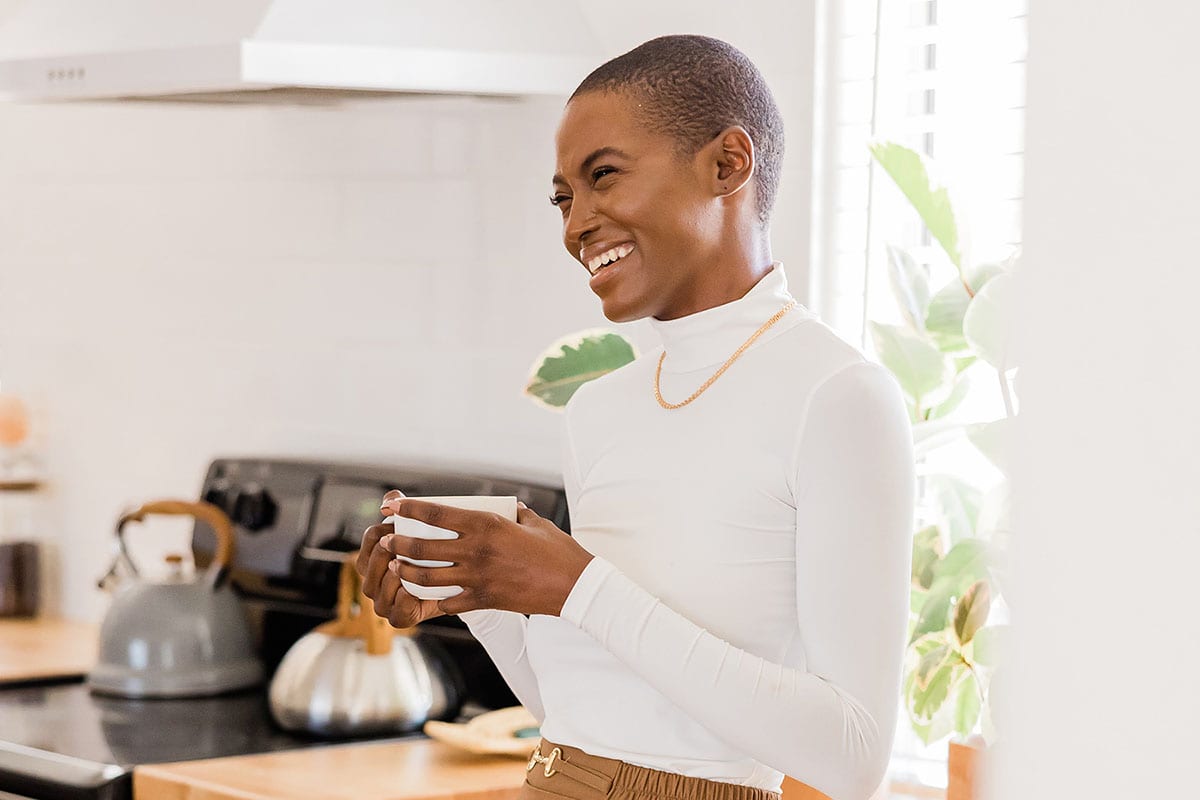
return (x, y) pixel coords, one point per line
(945, 78)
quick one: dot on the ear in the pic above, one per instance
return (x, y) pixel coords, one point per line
(731, 160)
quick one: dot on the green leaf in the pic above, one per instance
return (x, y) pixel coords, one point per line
(992, 439)
(916, 599)
(936, 609)
(910, 285)
(929, 664)
(931, 202)
(927, 550)
(971, 610)
(988, 324)
(938, 728)
(988, 644)
(929, 643)
(962, 386)
(572, 361)
(967, 704)
(930, 717)
(919, 367)
(967, 562)
(927, 699)
(948, 306)
(958, 503)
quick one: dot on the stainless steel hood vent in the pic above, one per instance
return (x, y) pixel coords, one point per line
(233, 49)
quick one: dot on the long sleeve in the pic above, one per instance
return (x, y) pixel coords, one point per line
(828, 722)
(502, 634)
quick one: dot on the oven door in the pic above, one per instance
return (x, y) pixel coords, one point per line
(30, 774)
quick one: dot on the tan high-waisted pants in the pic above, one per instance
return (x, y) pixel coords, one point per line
(578, 775)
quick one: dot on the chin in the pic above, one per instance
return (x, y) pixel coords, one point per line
(616, 313)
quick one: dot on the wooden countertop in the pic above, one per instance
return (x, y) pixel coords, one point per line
(44, 648)
(413, 769)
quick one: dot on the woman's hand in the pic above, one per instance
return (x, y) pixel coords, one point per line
(528, 566)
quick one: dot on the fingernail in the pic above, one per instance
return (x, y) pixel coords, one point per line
(385, 541)
(394, 566)
(521, 505)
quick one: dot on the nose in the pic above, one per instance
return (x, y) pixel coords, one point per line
(579, 223)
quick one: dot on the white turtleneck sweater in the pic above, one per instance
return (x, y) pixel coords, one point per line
(745, 614)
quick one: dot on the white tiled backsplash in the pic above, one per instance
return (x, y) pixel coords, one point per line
(180, 281)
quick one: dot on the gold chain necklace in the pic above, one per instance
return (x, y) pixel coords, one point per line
(658, 372)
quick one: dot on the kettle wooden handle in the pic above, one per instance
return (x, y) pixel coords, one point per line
(348, 588)
(206, 512)
(364, 623)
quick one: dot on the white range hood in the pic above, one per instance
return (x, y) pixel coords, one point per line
(259, 49)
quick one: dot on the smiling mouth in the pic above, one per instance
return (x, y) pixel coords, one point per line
(608, 257)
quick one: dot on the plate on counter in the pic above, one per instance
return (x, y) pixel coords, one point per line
(508, 731)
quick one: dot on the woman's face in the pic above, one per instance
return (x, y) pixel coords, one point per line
(623, 191)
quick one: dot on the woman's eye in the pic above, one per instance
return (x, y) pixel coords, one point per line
(600, 172)
(558, 199)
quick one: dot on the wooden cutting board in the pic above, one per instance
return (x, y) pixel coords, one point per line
(44, 648)
(413, 769)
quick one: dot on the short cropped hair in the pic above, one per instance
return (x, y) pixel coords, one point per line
(692, 88)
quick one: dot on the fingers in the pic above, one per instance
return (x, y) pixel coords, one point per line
(376, 566)
(464, 601)
(391, 596)
(450, 518)
(371, 537)
(429, 576)
(394, 494)
(403, 610)
(422, 549)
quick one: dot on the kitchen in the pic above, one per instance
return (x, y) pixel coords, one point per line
(256, 262)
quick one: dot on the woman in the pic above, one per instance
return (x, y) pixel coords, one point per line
(733, 604)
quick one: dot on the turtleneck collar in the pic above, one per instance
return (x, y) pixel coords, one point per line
(711, 336)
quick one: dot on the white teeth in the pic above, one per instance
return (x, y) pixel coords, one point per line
(609, 256)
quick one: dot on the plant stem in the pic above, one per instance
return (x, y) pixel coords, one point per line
(966, 285)
(1005, 392)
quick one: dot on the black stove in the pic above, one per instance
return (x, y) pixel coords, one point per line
(295, 522)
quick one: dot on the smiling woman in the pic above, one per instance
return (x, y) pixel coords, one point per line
(732, 603)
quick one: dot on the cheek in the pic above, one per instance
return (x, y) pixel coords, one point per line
(653, 212)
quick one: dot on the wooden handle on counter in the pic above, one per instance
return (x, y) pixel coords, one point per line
(207, 512)
(348, 587)
(362, 622)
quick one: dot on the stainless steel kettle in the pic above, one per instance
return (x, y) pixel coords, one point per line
(178, 637)
(357, 675)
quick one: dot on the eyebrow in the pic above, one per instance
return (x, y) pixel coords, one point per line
(587, 162)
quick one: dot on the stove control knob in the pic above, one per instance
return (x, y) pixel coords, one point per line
(218, 495)
(254, 509)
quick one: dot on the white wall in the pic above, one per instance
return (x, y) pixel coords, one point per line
(1100, 697)
(370, 281)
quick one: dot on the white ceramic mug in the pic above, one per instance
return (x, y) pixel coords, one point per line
(406, 526)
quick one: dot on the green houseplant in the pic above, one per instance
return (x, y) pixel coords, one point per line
(949, 338)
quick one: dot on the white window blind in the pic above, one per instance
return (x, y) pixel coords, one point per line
(947, 79)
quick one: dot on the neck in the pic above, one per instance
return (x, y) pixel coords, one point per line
(742, 260)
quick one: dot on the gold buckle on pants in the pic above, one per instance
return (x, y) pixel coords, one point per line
(537, 758)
